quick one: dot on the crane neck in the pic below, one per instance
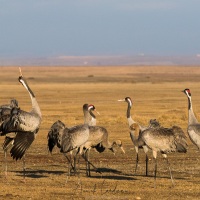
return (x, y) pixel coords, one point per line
(128, 113)
(89, 118)
(92, 114)
(35, 106)
(191, 117)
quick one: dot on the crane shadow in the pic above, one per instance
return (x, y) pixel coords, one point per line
(38, 173)
(114, 177)
(106, 173)
(161, 177)
(117, 175)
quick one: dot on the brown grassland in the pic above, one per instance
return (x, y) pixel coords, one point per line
(61, 92)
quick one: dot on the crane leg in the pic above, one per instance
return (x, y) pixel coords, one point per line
(87, 163)
(69, 160)
(155, 172)
(74, 159)
(24, 167)
(78, 162)
(88, 154)
(91, 164)
(70, 165)
(145, 148)
(137, 160)
(6, 163)
(147, 161)
(170, 172)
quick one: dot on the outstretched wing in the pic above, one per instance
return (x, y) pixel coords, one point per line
(22, 142)
(8, 142)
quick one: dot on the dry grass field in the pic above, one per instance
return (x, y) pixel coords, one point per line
(61, 92)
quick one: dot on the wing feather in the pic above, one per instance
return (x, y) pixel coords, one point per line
(22, 142)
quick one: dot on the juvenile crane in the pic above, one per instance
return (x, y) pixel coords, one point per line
(136, 129)
(164, 140)
(25, 124)
(193, 124)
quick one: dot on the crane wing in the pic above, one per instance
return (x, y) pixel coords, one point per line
(74, 137)
(22, 142)
(8, 141)
(20, 121)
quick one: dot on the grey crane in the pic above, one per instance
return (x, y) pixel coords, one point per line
(193, 128)
(72, 139)
(136, 129)
(54, 137)
(64, 137)
(5, 113)
(164, 140)
(98, 137)
(89, 118)
(25, 124)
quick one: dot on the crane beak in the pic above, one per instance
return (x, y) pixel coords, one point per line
(121, 100)
(20, 72)
(122, 149)
(97, 112)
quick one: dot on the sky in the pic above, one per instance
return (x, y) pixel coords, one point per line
(42, 28)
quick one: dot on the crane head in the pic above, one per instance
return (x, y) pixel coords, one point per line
(128, 100)
(187, 92)
(20, 75)
(92, 107)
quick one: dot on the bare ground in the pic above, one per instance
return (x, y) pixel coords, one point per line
(61, 92)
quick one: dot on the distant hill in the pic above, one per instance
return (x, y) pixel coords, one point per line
(102, 60)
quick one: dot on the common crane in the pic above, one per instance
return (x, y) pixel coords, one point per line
(25, 124)
(136, 129)
(164, 140)
(193, 124)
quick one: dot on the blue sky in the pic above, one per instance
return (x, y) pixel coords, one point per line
(99, 27)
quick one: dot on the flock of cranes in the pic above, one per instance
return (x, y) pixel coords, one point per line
(20, 128)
